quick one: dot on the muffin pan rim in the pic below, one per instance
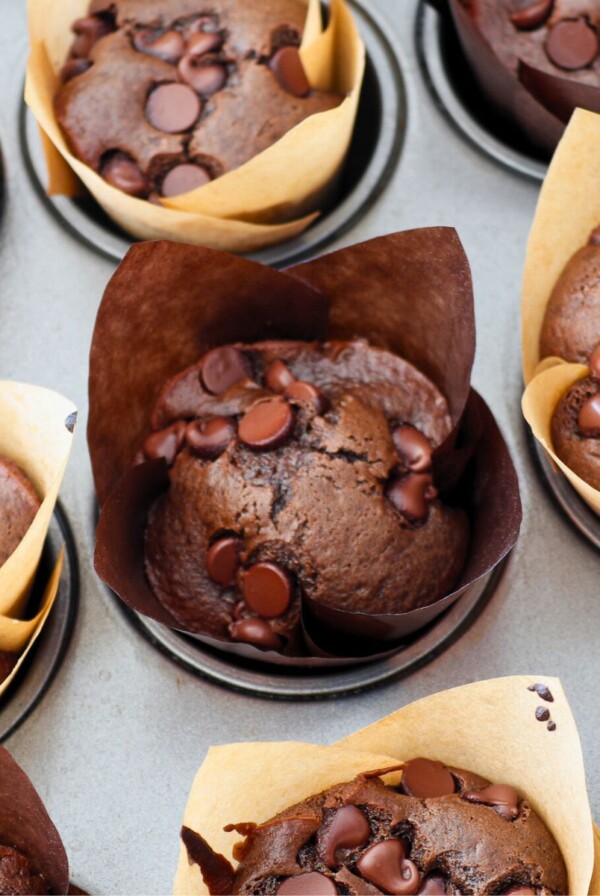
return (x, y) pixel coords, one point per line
(53, 642)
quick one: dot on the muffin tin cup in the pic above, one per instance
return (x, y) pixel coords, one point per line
(276, 682)
(49, 650)
(372, 158)
(457, 95)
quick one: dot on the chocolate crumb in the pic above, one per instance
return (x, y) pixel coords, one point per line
(542, 691)
(551, 726)
(542, 714)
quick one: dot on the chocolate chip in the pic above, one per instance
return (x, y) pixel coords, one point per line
(122, 172)
(433, 885)
(414, 449)
(411, 495)
(74, 67)
(267, 425)
(532, 15)
(427, 778)
(542, 691)
(267, 589)
(169, 46)
(503, 798)
(279, 377)
(551, 726)
(310, 884)
(223, 367)
(588, 420)
(223, 560)
(88, 31)
(203, 76)
(287, 67)
(572, 44)
(306, 393)
(173, 108)
(542, 714)
(203, 42)
(349, 829)
(165, 443)
(210, 438)
(183, 178)
(384, 864)
(595, 363)
(255, 631)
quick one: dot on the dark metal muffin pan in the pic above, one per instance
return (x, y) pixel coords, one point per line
(41, 665)
(453, 87)
(373, 155)
(114, 745)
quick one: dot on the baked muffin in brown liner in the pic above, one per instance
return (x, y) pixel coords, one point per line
(536, 61)
(408, 293)
(32, 856)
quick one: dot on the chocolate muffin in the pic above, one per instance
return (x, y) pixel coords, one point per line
(162, 96)
(571, 326)
(535, 60)
(19, 504)
(17, 877)
(442, 831)
(299, 469)
(576, 425)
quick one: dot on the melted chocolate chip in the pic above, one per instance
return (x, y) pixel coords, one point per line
(433, 885)
(168, 46)
(542, 691)
(202, 75)
(503, 798)
(122, 172)
(88, 31)
(267, 425)
(287, 67)
(73, 68)
(306, 393)
(411, 495)
(203, 42)
(572, 44)
(267, 589)
(595, 363)
(165, 443)
(173, 108)
(384, 864)
(183, 178)
(279, 377)
(223, 367)
(210, 438)
(256, 632)
(532, 15)
(426, 779)
(348, 830)
(542, 714)
(414, 449)
(311, 884)
(551, 726)
(588, 420)
(223, 560)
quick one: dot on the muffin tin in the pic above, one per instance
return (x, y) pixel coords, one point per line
(120, 733)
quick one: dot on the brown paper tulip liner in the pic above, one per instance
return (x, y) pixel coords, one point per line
(36, 433)
(488, 727)
(26, 826)
(541, 103)
(296, 175)
(409, 293)
(572, 183)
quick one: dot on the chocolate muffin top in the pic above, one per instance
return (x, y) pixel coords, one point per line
(17, 877)
(19, 504)
(161, 97)
(299, 468)
(576, 425)
(442, 831)
(571, 326)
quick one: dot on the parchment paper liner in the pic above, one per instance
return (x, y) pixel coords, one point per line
(35, 435)
(408, 292)
(26, 826)
(540, 103)
(488, 727)
(539, 402)
(568, 209)
(273, 197)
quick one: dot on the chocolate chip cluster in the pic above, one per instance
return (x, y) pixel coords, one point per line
(572, 40)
